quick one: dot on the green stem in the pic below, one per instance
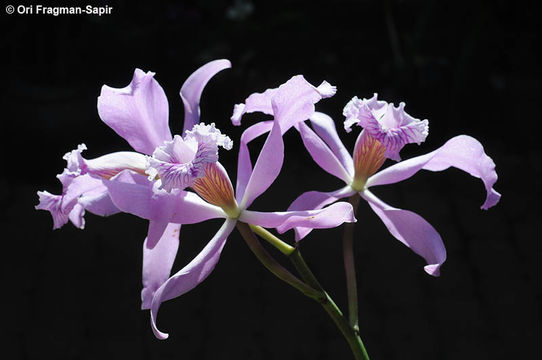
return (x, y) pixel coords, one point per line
(350, 266)
(350, 334)
(272, 265)
(272, 239)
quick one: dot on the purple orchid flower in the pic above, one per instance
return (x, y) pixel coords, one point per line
(291, 103)
(386, 130)
(139, 114)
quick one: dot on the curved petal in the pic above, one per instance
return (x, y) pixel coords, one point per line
(134, 194)
(157, 261)
(463, 152)
(316, 200)
(109, 165)
(80, 193)
(324, 126)
(257, 102)
(293, 102)
(90, 193)
(137, 112)
(244, 164)
(192, 274)
(329, 217)
(412, 230)
(193, 87)
(322, 154)
(53, 204)
(155, 232)
(98, 202)
(267, 167)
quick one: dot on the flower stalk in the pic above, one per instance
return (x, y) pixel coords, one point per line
(272, 239)
(350, 334)
(272, 265)
(350, 266)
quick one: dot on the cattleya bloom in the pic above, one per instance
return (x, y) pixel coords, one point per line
(139, 114)
(154, 182)
(386, 130)
(292, 102)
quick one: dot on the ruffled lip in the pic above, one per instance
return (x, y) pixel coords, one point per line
(179, 162)
(390, 125)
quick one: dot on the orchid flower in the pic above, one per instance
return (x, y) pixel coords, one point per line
(292, 102)
(386, 130)
(139, 114)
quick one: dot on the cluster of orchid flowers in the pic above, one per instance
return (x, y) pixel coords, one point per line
(177, 180)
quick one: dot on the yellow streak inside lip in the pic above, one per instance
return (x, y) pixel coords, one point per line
(369, 155)
(215, 187)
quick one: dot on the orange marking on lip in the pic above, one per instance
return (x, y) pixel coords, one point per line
(215, 187)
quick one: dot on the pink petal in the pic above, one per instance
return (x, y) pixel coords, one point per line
(316, 200)
(257, 102)
(193, 87)
(324, 126)
(155, 232)
(137, 112)
(53, 204)
(192, 274)
(463, 152)
(390, 125)
(412, 230)
(134, 194)
(267, 167)
(91, 192)
(329, 217)
(244, 164)
(322, 154)
(157, 261)
(109, 165)
(297, 88)
(292, 102)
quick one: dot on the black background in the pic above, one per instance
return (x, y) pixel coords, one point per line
(470, 68)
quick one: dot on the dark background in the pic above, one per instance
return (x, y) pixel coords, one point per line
(470, 68)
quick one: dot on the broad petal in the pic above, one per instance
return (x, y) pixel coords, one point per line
(322, 154)
(329, 217)
(316, 200)
(134, 194)
(244, 164)
(157, 261)
(192, 274)
(193, 87)
(298, 90)
(463, 152)
(412, 230)
(98, 202)
(324, 126)
(87, 192)
(294, 102)
(83, 186)
(137, 112)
